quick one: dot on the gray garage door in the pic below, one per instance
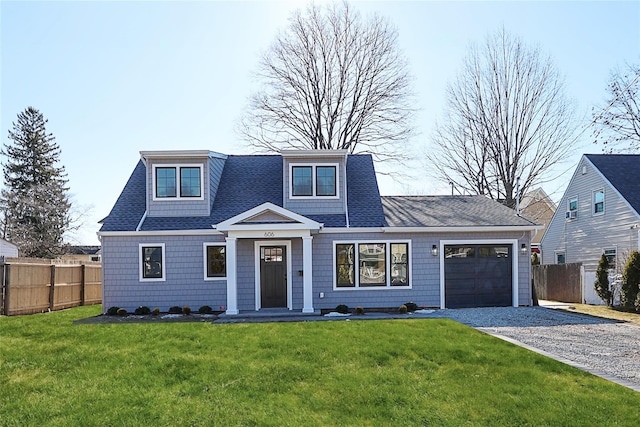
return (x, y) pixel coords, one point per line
(477, 276)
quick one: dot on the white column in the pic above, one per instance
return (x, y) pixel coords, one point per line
(307, 275)
(232, 285)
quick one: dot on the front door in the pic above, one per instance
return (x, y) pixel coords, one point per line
(273, 276)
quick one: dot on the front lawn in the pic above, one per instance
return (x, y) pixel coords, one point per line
(396, 372)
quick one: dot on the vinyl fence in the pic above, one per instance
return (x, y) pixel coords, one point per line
(31, 285)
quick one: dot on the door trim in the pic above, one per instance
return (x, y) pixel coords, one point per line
(259, 244)
(514, 263)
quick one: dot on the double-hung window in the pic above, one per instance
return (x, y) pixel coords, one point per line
(152, 264)
(611, 253)
(173, 182)
(371, 264)
(215, 261)
(314, 180)
(598, 202)
(572, 208)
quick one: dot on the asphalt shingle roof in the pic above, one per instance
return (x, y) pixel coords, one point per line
(249, 181)
(623, 172)
(131, 204)
(448, 211)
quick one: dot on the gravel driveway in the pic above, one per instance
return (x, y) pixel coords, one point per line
(600, 346)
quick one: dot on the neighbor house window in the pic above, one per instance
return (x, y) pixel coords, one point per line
(371, 264)
(152, 266)
(611, 257)
(572, 208)
(560, 258)
(177, 182)
(215, 256)
(314, 180)
(598, 202)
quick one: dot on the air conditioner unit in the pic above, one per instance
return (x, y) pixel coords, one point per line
(571, 214)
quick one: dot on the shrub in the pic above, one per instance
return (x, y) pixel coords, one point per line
(175, 310)
(142, 310)
(631, 280)
(155, 311)
(113, 311)
(186, 310)
(402, 309)
(359, 310)
(122, 312)
(205, 309)
(342, 309)
(601, 285)
(638, 303)
(411, 306)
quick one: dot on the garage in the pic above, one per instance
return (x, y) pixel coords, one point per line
(478, 275)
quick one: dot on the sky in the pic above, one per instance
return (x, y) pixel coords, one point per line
(114, 78)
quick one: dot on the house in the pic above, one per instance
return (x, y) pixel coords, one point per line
(8, 249)
(305, 231)
(537, 206)
(82, 253)
(598, 214)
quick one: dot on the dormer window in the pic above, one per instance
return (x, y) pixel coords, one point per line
(173, 182)
(314, 180)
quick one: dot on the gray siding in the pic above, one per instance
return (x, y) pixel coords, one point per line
(318, 206)
(583, 239)
(185, 284)
(182, 207)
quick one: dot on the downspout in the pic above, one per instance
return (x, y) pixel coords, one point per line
(346, 204)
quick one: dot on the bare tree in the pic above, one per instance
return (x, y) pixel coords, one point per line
(332, 80)
(506, 118)
(617, 125)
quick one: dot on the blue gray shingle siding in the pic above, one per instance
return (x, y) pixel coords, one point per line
(448, 211)
(623, 172)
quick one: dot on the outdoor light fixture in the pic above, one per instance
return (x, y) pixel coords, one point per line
(523, 249)
(434, 250)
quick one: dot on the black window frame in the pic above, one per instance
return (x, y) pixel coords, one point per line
(293, 181)
(158, 180)
(335, 186)
(220, 261)
(199, 169)
(146, 261)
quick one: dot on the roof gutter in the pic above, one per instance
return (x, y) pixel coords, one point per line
(463, 229)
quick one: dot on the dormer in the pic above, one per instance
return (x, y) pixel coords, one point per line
(180, 183)
(314, 181)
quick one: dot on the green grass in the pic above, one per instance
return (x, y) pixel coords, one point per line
(413, 372)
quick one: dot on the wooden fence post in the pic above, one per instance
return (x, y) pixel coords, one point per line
(52, 288)
(82, 281)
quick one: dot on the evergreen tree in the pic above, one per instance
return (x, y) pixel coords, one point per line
(631, 280)
(601, 285)
(34, 201)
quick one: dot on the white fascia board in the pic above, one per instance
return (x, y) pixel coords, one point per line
(351, 230)
(158, 233)
(468, 229)
(313, 153)
(175, 154)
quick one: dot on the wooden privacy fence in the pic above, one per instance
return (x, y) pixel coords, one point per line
(558, 282)
(31, 285)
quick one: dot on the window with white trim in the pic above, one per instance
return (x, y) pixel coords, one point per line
(172, 182)
(611, 253)
(152, 262)
(369, 264)
(215, 261)
(598, 202)
(560, 258)
(311, 180)
(572, 208)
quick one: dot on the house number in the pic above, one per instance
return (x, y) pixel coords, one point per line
(269, 234)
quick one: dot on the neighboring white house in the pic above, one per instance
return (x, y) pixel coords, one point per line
(8, 249)
(598, 213)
